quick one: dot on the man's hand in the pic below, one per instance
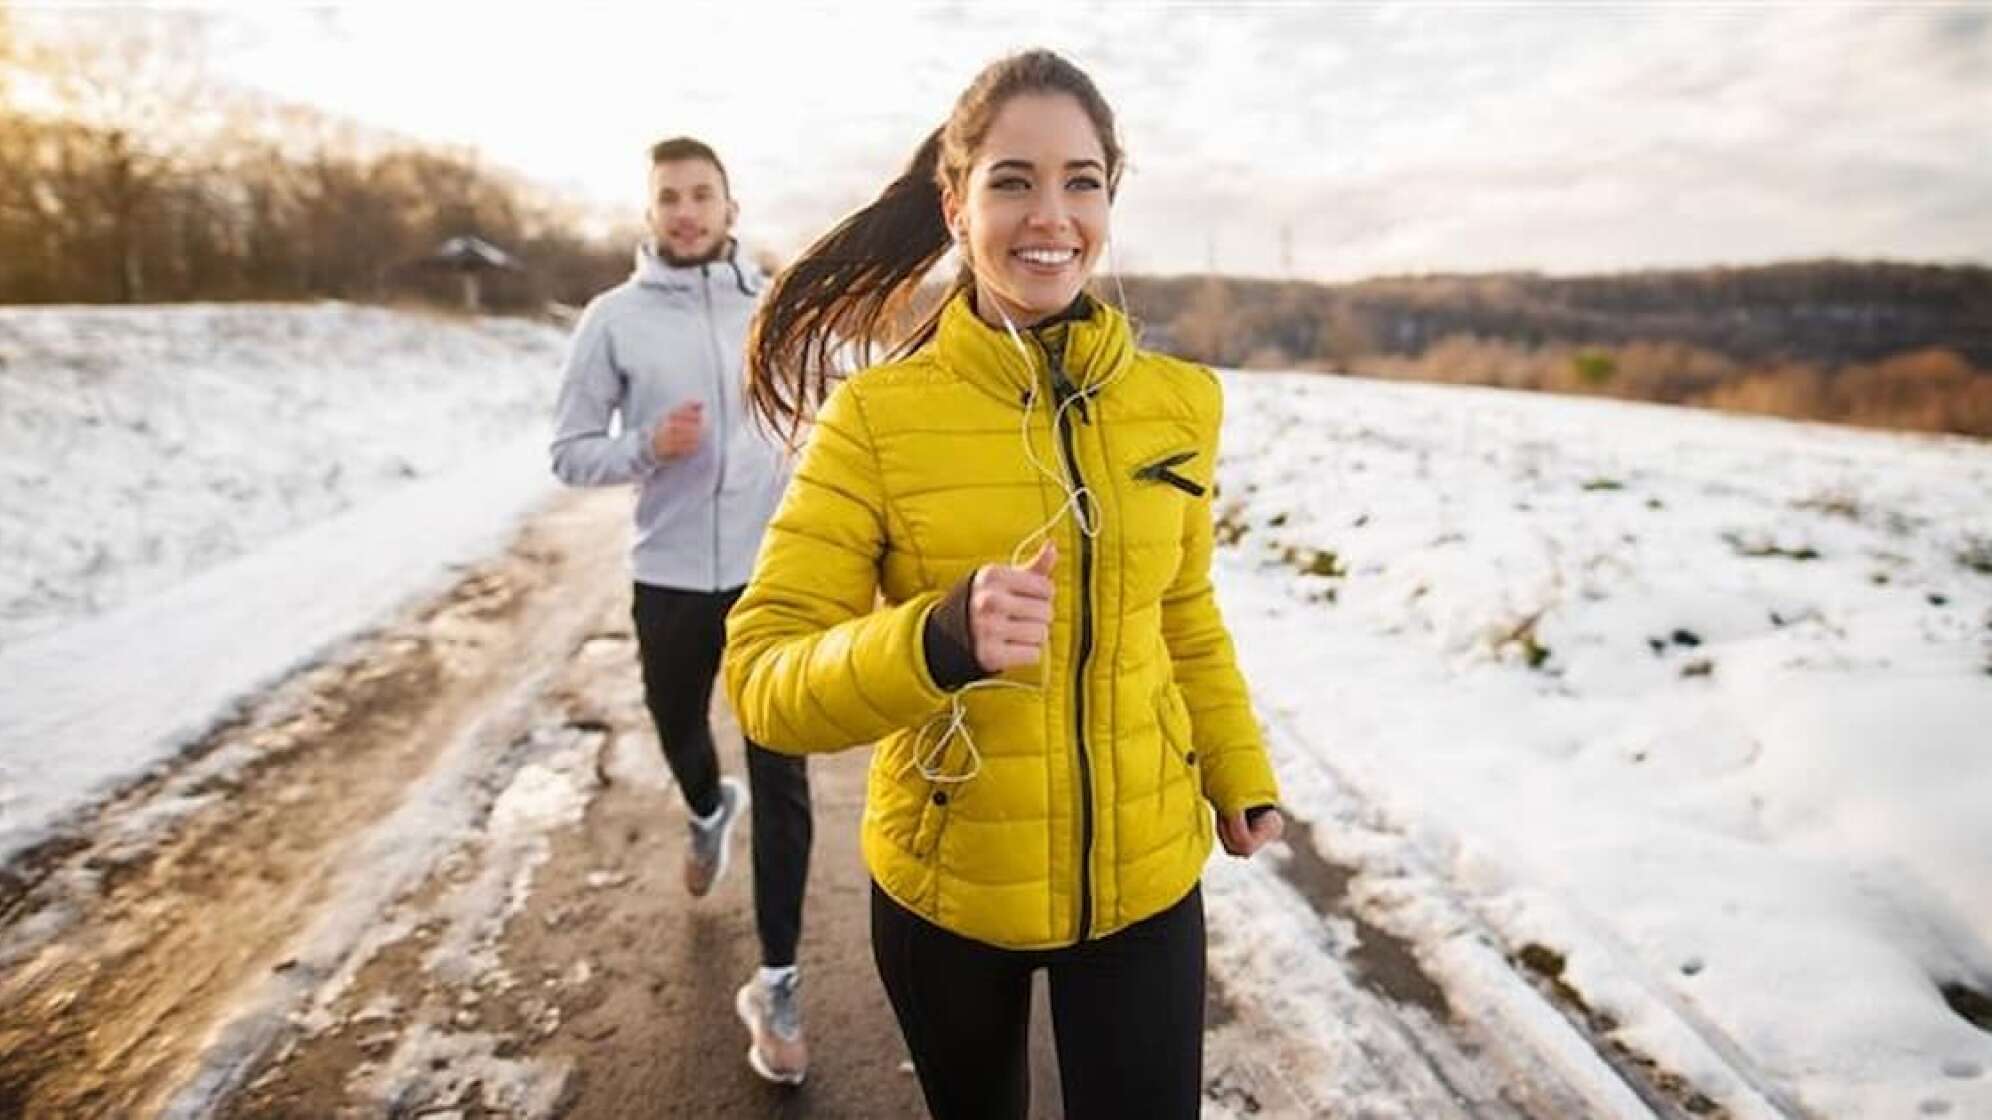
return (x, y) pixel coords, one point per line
(1242, 839)
(677, 435)
(1009, 611)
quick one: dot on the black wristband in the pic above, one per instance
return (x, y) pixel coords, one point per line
(947, 643)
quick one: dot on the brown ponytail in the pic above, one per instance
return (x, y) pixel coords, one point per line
(849, 288)
(845, 289)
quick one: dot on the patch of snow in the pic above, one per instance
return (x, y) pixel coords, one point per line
(1695, 701)
(431, 1070)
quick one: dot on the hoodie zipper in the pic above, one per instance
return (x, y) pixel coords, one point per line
(719, 400)
(1062, 389)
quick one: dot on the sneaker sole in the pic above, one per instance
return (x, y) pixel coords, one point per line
(754, 1060)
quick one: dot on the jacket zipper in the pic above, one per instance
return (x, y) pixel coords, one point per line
(719, 429)
(1062, 389)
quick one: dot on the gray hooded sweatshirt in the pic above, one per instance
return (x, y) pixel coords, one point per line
(665, 336)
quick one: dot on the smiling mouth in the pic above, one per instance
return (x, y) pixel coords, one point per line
(1050, 258)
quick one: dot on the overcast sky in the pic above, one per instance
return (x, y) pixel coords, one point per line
(1317, 140)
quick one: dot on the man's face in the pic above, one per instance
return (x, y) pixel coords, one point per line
(690, 214)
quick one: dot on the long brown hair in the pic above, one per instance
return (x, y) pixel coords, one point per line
(850, 288)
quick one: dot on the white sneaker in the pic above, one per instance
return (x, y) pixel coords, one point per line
(705, 855)
(773, 1016)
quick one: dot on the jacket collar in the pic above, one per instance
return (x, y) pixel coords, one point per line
(724, 271)
(1098, 346)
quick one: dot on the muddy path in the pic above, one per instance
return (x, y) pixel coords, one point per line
(437, 871)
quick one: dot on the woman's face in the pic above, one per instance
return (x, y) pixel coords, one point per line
(1033, 214)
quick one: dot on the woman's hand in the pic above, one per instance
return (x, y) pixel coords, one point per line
(1009, 611)
(1241, 839)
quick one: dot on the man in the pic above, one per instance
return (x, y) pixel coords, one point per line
(663, 350)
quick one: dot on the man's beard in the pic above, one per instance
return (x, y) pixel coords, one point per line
(716, 253)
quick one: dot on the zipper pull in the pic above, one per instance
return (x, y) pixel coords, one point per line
(1062, 388)
(1188, 486)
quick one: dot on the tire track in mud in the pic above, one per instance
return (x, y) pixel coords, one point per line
(125, 952)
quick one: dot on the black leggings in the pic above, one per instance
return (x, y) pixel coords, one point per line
(1127, 1012)
(679, 637)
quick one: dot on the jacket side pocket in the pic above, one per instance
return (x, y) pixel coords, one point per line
(1167, 709)
(933, 821)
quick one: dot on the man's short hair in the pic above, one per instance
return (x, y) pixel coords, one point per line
(679, 148)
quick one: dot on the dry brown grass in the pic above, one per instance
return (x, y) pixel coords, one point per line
(1930, 390)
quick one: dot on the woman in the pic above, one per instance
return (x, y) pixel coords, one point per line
(1053, 694)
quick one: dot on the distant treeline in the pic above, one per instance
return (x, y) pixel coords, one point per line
(127, 176)
(1828, 311)
(86, 216)
(1887, 345)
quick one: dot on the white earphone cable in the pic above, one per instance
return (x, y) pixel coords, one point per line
(930, 758)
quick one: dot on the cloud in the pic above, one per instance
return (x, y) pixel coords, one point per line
(1352, 140)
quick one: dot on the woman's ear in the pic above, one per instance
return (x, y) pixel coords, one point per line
(952, 216)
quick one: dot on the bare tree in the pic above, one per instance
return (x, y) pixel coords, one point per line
(134, 85)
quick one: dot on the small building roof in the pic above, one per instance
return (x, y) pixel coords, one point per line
(472, 253)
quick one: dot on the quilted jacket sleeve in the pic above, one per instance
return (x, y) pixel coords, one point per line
(813, 663)
(1236, 771)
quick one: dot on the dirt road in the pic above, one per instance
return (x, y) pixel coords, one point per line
(437, 872)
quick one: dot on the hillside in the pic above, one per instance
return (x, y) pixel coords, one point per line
(1885, 345)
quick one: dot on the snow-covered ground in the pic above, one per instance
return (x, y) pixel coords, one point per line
(196, 500)
(142, 446)
(1697, 703)
(1684, 708)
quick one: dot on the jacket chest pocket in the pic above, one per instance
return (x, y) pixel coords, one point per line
(1170, 470)
(1161, 491)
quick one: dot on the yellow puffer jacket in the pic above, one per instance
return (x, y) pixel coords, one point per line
(1087, 809)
